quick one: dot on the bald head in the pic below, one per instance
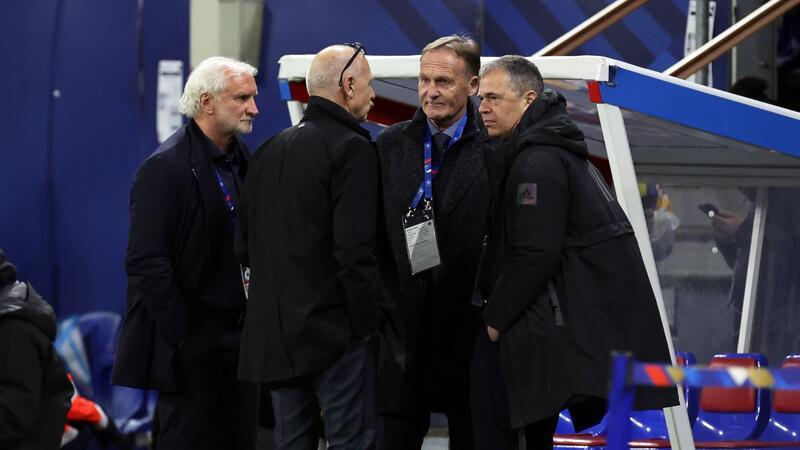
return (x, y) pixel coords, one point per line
(323, 73)
(355, 94)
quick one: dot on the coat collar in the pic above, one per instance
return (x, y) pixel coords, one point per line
(202, 150)
(203, 170)
(322, 108)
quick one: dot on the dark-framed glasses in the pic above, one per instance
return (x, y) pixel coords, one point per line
(359, 48)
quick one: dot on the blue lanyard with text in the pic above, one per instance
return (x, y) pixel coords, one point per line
(429, 169)
(228, 198)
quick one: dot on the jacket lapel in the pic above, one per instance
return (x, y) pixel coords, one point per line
(207, 184)
(401, 173)
(468, 166)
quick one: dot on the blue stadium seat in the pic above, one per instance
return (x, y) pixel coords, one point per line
(784, 422)
(648, 428)
(99, 330)
(690, 394)
(732, 414)
(131, 409)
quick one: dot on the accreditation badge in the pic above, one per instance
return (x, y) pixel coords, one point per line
(245, 271)
(420, 231)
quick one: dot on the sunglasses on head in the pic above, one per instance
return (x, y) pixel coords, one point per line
(359, 48)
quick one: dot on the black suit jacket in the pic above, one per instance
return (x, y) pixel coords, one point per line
(438, 300)
(307, 230)
(178, 217)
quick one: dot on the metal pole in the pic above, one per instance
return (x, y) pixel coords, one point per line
(620, 402)
(590, 28)
(753, 269)
(627, 190)
(701, 36)
(295, 111)
(730, 37)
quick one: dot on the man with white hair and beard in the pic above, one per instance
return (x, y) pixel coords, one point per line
(186, 301)
(307, 230)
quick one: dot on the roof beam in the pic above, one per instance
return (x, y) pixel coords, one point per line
(728, 39)
(590, 28)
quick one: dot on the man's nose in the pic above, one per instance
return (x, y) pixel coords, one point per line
(483, 106)
(252, 109)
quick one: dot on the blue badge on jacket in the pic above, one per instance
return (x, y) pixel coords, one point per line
(526, 194)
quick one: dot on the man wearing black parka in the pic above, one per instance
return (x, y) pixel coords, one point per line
(563, 277)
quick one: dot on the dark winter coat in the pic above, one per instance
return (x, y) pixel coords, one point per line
(307, 231)
(34, 389)
(435, 307)
(565, 277)
(179, 227)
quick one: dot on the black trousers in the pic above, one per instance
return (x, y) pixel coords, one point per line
(217, 416)
(440, 384)
(539, 435)
(407, 431)
(490, 418)
(341, 393)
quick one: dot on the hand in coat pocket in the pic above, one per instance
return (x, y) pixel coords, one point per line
(494, 335)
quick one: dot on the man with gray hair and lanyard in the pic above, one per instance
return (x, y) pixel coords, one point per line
(186, 300)
(436, 197)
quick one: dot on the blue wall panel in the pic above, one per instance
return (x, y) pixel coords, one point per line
(25, 225)
(67, 163)
(95, 132)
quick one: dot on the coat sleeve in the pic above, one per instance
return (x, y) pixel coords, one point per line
(354, 195)
(538, 196)
(155, 221)
(21, 374)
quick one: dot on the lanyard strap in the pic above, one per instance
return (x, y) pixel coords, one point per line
(228, 198)
(429, 170)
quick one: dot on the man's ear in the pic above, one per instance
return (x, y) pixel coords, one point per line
(530, 96)
(474, 83)
(348, 86)
(206, 103)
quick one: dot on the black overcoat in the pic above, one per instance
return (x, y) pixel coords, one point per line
(307, 230)
(566, 279)
(178, 217)
(441, 299)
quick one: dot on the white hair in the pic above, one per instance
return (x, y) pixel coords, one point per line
(209, 77)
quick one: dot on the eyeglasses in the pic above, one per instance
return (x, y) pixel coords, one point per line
(359, 48)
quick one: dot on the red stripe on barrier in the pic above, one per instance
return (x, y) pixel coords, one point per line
(594, 92)
(657, 375)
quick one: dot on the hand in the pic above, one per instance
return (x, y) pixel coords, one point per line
(494, 335)
(725, 225)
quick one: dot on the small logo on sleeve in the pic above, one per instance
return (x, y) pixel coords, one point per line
(526, 194)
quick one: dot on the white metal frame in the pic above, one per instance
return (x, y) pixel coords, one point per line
(627, 190)
(753, 269)
(296, 111)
